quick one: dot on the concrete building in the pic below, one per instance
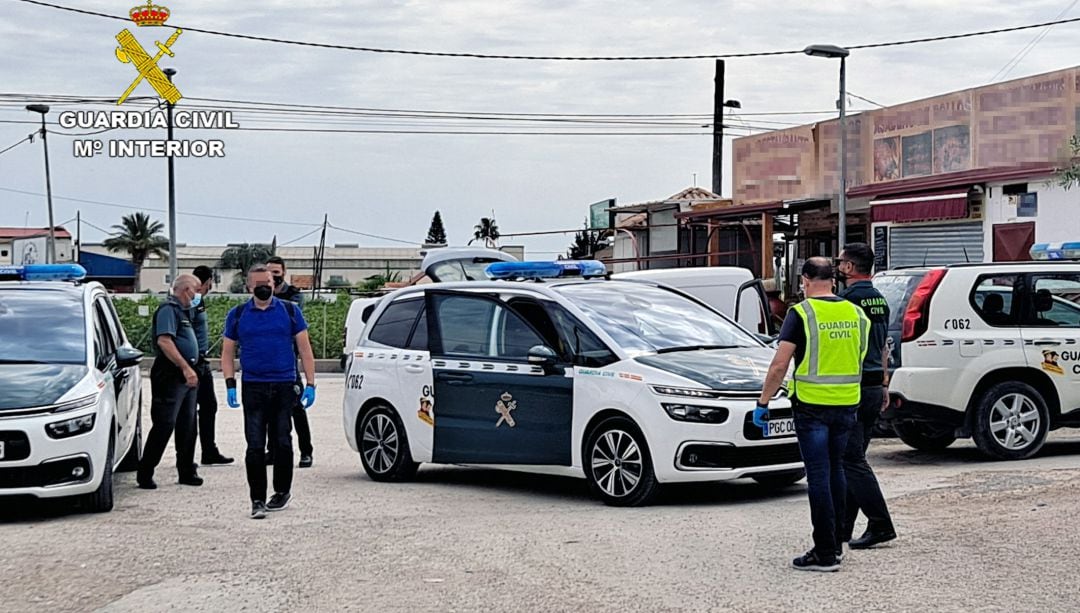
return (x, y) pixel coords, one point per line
(29, 245)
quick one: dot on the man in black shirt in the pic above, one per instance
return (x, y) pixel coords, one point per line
(855, 266)
(284, 291)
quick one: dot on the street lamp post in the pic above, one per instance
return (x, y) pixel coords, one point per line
(50, 251)
(169, 72)
(832, 51)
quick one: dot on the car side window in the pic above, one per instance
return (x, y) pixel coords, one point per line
(103, 345)
(1055, 301)
(993, 300)
(419, 340)
(396, 323)
(585, 347)
(114, 322)
(477, 326)
(112, 326)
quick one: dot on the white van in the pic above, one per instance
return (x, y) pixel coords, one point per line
(729, 289)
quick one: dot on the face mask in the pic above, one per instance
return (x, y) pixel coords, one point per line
(263, 292)
(196, 301)
(840, 276)
(278, 281)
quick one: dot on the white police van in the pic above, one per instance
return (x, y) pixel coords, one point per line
(69, 410)
(627, 383)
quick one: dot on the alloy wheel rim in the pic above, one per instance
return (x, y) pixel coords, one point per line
(617, 463)
(1015, 421)
(379, 443)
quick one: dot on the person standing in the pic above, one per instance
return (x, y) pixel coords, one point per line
(827, 337)
(265, 329)
(205, 397)
(864, 492)
(173, 387)
(284, 291)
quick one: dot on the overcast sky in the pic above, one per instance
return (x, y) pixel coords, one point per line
(389, 185)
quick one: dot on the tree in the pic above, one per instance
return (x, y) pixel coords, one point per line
(241, 258)
(586, 244)
(436, 234)
(140, 237)
(487, 230)
(379, 281)
(1069, 176)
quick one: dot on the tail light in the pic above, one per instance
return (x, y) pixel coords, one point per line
(918, 308)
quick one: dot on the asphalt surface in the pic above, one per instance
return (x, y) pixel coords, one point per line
(974, 535)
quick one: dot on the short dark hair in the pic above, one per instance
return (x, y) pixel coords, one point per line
(203, 273)
(277, 260)
(257, 269)
(818, 268)
(861, 255)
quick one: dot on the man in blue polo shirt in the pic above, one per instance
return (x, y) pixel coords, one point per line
(265, 329)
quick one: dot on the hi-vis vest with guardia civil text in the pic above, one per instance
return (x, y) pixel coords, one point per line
(837, 335)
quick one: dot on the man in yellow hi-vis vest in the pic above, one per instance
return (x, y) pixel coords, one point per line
(827, 336)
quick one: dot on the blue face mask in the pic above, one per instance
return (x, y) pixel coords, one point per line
(196, 301)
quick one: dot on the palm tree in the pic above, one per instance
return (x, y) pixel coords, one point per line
(241, 258)
(487, 230)
(140, 237)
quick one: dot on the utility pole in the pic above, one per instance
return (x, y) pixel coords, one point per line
(50, 252)
(169, 72)
(321, 253)
(719, 104)
(78, 236)
(842, 203)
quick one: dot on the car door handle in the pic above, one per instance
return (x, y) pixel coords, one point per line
(454, 378)
(414, 368)
(1045, 342)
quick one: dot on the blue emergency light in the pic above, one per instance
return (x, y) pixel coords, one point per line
(1055, 251)
(42, 272)
(546, 270)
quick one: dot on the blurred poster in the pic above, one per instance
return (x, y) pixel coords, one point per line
(887, 159)
(917, 154)
(952, 149)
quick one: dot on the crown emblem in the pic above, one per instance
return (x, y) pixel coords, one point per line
(149, 14)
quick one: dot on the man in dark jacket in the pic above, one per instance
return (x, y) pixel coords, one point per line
(207, 399)
(284, 291)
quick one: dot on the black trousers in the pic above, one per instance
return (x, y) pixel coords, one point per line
(862, 485)
(303, 427)
(172, 409)
(208, 407)
(267, 418)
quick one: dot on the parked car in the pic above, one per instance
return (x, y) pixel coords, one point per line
(627, 383)
(989, 351)
(70, 407)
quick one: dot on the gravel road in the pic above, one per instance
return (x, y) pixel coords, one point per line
(974, 535)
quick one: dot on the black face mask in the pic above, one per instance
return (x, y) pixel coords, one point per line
(278, 281)
(840, 276)
(263, 292)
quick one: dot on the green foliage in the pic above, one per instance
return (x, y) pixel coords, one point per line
(487, 230)
(375, 283)
(241, 258)
(140, 237)
(436, 234)
(1070, 175)
(586, 244)
(326, 322)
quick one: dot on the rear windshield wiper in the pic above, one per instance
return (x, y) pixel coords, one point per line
(696, 348)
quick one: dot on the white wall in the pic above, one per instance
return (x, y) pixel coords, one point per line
(1058, 218)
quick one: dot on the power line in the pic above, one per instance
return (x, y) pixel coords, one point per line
(1028, 48)
(385, 238)
(491, 56)
(858, 97)
(24, 139)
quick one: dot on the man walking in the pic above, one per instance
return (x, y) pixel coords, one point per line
(284, 291)
(827, 336)
(206, 398)
(265, 328)
(856, 264)
(173, 387)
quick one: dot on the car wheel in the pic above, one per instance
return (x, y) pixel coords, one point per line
(1011, 421)
(130, 463)
(384, 446)
(101, 499)
(925, 436)
(618, 465)
(780, 479)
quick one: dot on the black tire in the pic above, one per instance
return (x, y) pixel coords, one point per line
(384, 446)
(130, 463)
(780, 479)
(925, 436)
(618, 465)
(1011, 421)
(101, 499)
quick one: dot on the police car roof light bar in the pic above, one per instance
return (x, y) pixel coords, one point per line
(42, 272)
(1055, 251)
(546, 270)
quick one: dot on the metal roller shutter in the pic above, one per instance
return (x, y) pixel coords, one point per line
(935, 245)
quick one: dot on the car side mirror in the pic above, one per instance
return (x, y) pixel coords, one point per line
(126, 357)
(542, 355)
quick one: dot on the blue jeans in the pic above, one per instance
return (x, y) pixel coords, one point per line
(267, 419)
(823, 435)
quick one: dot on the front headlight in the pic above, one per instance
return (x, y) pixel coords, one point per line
(70, 427)
(78, 403)
(696, 413)
(666, 390)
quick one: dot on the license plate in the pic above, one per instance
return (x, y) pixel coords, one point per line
(1, 450)
(778, 427)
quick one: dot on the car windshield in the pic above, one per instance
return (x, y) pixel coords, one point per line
(648, 319)
(41, 326)
(897, 290)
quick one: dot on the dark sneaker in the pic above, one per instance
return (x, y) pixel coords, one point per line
(146, 483)
(258, 510)
(278, 502)
(209, 459)
(194, 480)
(871, 539)
(306, 461)
(812, 561)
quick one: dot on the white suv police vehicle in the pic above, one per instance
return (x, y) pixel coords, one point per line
(69, 409)
(989, 351)
(629, 384)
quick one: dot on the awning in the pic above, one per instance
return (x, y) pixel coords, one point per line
(729, 212)
(952, 204)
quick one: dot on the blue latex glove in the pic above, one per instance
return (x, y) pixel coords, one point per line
(308, 397)
(231, 397)
(761, 413)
